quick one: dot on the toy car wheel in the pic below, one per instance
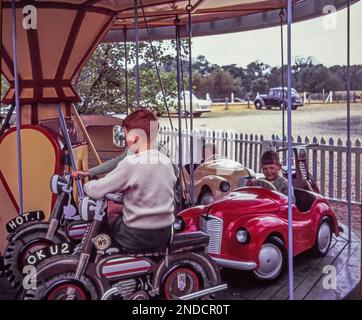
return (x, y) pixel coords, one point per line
(258, 105)
(324, 237)
(271, 260)
(197, 115)
(294, 107)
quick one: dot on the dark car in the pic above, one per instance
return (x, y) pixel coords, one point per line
(275, 99)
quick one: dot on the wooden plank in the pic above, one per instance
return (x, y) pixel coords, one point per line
(251, 151)
(303, 263)
(241, 149)
(331, 170)
(314, 160)
(256, 153)
(357, 175)
(347, 265)
(317, 274)
(246, 151)
(308, 268)
(339, 170)
(323, 170)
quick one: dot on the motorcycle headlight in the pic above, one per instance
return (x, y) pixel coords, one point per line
(58, 184)
(224, 186)
(179, 224)
(242, 236)
(87, 208)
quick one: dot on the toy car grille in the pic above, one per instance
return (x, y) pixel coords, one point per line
(212, 226)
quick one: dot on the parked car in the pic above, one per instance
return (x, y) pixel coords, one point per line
(248, 229)
(199, 106)
(274, 98)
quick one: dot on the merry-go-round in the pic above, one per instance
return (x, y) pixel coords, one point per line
(245, 241)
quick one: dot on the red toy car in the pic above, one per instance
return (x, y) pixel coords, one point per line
(248, 229)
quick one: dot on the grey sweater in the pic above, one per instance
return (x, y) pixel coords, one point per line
(111, 164)
(281, 184)
(147, 182)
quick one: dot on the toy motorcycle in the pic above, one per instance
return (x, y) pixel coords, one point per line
(100, 270)
(28, 233)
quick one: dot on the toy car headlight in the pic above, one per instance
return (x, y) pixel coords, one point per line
(242, 236)
(224, 186)
(179, 224)
(58, 184)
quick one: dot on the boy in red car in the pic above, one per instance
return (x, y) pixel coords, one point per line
(271, 166)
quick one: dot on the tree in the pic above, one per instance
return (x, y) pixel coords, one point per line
(259, 86)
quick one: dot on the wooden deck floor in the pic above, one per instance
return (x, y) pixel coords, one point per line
(308, 277)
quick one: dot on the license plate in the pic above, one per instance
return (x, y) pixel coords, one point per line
(53, 250)
(24, 218)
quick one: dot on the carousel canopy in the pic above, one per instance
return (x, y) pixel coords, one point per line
(67, 32)
(210, 17)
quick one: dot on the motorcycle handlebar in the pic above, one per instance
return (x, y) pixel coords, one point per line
(115, 197)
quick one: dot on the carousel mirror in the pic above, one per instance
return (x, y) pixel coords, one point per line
(119, 136)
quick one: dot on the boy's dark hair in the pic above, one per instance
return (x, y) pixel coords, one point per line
(140, 119)
(270, 157)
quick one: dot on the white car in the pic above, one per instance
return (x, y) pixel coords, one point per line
(199, 106)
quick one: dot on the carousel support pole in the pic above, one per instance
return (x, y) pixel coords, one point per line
(290, 153)
(17, 108)
(178, 76)
(126, 66)
(192, 174)
(281, 15)
(63, 126)
(349, 155)
(137, 36)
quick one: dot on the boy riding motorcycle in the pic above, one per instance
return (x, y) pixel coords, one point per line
(146, 179)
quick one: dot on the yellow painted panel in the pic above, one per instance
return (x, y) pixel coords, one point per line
(38, 161)
(8, 212)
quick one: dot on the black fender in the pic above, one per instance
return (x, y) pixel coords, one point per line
(30, 227)
(191, 257)
(63, 263)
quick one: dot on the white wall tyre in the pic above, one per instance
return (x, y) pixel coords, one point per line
(271, 260)
(323, 237)
(258, 105)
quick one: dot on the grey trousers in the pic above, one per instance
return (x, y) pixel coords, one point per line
(140, 240)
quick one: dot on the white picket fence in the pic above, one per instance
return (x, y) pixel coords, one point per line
(327, 160)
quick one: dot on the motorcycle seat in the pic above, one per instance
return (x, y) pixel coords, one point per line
(182, 241)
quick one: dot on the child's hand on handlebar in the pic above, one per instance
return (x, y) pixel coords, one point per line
(80, 174)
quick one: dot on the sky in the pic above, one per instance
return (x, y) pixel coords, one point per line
(309, 38)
